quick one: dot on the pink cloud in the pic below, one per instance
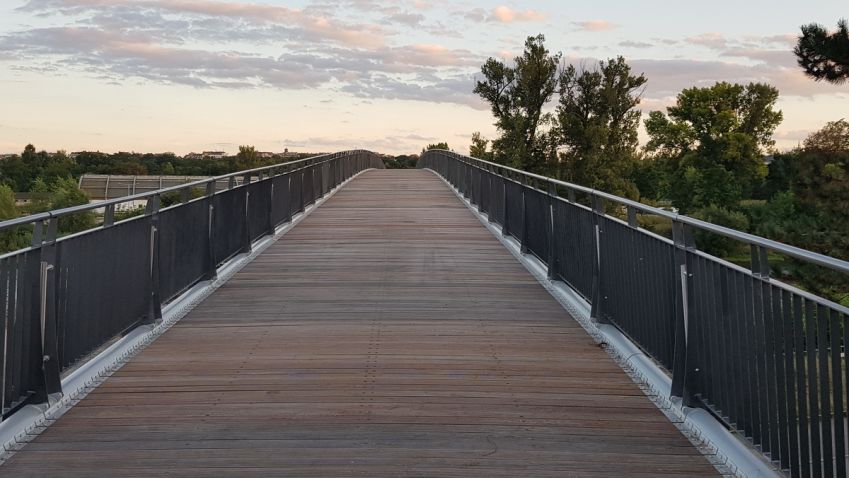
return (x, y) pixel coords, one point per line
(711, 40)
(595, 25)
(505, 14)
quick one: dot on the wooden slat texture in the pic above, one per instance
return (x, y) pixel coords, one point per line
(389, 334)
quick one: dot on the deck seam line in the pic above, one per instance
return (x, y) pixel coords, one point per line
(579, 310)
(103, 365)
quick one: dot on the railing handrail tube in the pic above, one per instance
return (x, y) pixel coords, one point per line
(43, 216)
(793, 251)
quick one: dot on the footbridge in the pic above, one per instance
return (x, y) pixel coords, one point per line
(329, 317)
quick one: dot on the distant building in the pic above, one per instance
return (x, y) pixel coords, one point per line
(214, 155)
(286, 154)
(7, 156)
(194, 156)
(265, 155)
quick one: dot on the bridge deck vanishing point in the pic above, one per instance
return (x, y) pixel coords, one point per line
(388, 334)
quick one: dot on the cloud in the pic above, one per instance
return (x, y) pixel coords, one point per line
(315, 27)
(505, 14)
(203, 45)
(635, 44)
(595, 25)
(712, 40)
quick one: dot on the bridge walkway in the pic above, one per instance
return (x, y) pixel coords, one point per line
(388, 334)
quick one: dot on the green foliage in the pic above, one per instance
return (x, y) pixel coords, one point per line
(176, 197)
(65, 193)
(517, 95)
(652, 178)
(13, 238)
(712, 135)
(443, 146)
(247, 158)
(125, 214)
(478, 148)
(401, 162)
(597, 124)
(713, 243)
(824, 55)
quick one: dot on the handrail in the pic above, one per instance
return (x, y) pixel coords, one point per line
(57, 213)
(751, 239)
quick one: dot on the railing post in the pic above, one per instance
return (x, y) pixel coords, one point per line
(524, 231)
(597, 311)
(504, 179)
(272, 196)
(210, 262)
(246, 237)
(683, 367)
(552, 236)
(154, 308)
(45, 303)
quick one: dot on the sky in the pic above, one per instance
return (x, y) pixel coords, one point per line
(390, 76)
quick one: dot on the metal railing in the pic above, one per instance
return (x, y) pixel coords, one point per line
(764, 357)
(63, 298)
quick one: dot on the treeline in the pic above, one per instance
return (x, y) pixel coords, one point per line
(50, 182)
(711, 155)
(20, 172)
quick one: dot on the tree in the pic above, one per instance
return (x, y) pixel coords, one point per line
(65, 193)
(598, 123)
(168, 169)
(15, 238)
(247, 158)
(833, 138)
(713, 141)
(517, 95)
(824, 55)
(479, 146)
(443, 146)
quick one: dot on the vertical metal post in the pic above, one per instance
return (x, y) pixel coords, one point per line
(552, 236)
(760, 261)
(109, 216)
(209, 266)
(524, 231)
(46, 297)
(246, 237)
(504, 179)
(154, 309)
(597, 311)
(272, 197)
(683, 352)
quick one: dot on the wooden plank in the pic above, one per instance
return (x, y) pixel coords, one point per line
(389, 334)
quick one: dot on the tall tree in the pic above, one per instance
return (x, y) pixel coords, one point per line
(713, 141)
(517, 95)
(824, 55)
(598, 123)
(247, 158)
(478, 148)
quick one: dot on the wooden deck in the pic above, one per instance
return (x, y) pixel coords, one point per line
(389, 334)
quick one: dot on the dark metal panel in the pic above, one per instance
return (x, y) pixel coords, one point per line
(183, 248)
(229, 223)
(259, 209)
(102, 276)
(281, 208)
(537, 223)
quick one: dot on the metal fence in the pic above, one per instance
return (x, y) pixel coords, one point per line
(63, 298)
(764, 357)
